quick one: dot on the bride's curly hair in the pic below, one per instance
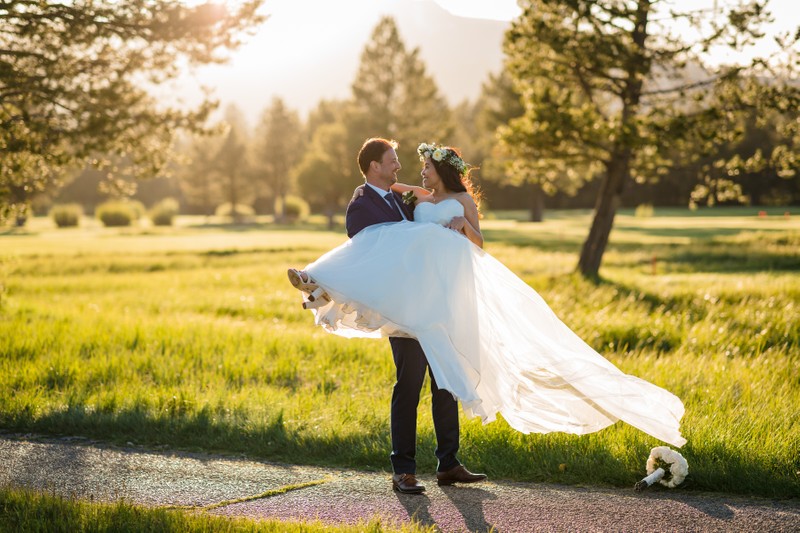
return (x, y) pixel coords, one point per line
(453, 180)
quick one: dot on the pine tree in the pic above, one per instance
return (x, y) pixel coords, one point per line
(326, 176)
(231, 163)
(278, 148)
(71, 83)
(395, 98)
(606, 95)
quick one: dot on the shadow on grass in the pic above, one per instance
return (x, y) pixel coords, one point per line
(728, 261)
(695, 233)
(498, 451)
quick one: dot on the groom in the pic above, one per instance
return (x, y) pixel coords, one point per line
(379, 165)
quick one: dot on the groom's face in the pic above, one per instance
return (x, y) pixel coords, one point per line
(390, 165)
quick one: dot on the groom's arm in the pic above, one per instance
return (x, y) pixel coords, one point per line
(357, 218)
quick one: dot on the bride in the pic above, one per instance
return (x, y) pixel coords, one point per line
(489, 338)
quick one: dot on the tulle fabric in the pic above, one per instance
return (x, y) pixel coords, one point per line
(489, 338)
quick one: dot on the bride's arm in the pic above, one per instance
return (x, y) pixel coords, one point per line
(402, 188)
(469, 224)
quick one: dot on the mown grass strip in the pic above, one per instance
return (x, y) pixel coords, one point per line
(267, 494)
(23, 511)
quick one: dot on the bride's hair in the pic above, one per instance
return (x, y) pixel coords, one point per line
(455, 181)
(373, 150)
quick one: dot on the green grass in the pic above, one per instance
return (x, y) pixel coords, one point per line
(26, 511)
(192, 338)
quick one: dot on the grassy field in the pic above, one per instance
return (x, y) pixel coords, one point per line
(191, 337)
(23, 511)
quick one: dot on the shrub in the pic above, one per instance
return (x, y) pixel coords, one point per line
(163, 213)
(116, 213)
(644, 211)
(66, 215)
(295, 208)
(137, 207)
(242, 211)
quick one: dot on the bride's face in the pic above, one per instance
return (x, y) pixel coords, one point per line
(430, 178)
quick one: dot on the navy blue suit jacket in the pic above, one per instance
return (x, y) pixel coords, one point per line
(371, 209)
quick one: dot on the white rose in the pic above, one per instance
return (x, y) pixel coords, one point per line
(438, 155)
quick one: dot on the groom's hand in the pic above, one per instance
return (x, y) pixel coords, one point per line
(457, 224)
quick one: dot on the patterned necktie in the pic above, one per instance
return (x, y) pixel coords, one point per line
(393, 203)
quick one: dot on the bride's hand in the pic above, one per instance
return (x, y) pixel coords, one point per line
(357, 193)
(457, 224)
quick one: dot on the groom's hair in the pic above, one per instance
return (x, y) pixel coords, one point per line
(373, 150)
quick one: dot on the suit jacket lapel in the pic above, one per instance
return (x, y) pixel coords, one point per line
(381, 203)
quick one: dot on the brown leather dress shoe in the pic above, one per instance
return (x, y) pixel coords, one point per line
(458, 474)
(407, 484)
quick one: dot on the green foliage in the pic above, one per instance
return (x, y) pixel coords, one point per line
(279, 146)
(119, 213)
(71, 84)
(394, 97)
(66, 215)
(231, 161)
(163, 213)
(199, 342)
(608, 92)
(325, 175)
(199, 180)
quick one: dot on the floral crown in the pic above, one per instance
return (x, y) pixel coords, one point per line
(440, 154)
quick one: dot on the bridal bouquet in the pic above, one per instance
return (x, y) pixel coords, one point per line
(666, 466)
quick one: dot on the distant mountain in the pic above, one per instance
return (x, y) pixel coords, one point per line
(458, 52)
(305, 56)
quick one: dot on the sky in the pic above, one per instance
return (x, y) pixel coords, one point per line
(308, 50)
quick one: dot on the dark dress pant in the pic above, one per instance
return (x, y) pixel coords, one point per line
(411, 367)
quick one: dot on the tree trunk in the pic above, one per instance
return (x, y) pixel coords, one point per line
(234, 199)
(537, 202)
(280, 208)
(331, 212)
(605, 209)
(618, 169)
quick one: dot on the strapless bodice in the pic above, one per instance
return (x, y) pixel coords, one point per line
(440, 213)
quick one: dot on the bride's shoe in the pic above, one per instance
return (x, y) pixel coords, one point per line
(313, 304)
(302, 281)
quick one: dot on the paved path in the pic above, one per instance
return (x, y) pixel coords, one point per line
(257, 489)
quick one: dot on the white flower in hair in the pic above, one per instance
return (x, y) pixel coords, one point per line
(442, 155)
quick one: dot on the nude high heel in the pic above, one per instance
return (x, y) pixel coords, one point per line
(317, 296)
(296, 277)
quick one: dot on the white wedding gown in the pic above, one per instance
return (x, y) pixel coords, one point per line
(489, 338)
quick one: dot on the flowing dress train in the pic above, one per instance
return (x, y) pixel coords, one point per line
(489, 338)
